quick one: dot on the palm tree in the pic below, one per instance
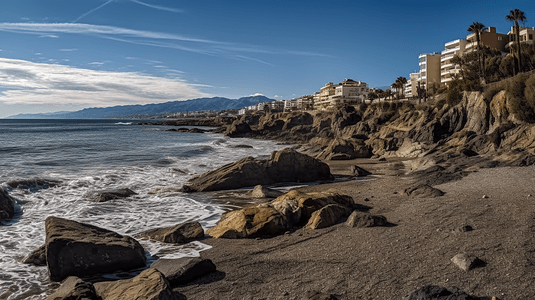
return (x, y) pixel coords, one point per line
(401, 81)
(515, 16)
(478, 28)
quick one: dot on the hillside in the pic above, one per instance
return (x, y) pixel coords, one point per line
(215, 103)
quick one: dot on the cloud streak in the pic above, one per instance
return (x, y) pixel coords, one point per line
(158, 7)
(93, 10)
(26, 82)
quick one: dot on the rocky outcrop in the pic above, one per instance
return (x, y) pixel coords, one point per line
(7, 205)
(345, 149)
(33, 184)
(260, 191)
(74, 288)
(178, 234)
(107, 195)
(292, 209)
(188, 130)
(149, 285)
(238, 128)
(283, 166)
(183, 270)
(77, 249)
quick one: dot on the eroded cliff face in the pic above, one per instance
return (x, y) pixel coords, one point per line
(477, 128)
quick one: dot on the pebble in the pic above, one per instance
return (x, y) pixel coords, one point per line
(485, 196)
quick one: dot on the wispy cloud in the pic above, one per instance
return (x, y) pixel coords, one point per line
(93, 10)
(96, 63)
(158, 7)
(26, 82)
(68, 50)
(156, 39)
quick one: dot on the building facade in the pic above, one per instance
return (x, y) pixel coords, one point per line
(348, 91)
(429, 75)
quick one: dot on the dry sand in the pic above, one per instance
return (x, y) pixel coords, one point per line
(391, 262)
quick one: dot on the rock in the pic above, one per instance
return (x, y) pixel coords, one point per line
(37, 257)
(33, 184)
(362, 219)
(286, 165)
(326, 216)
(465, 228)
(467, 262)
(432, 292)
(249, 222)
(149, 285)
(260, 191)
(238, 128)
(106, 195)
(359, 172)
(178, 234)
(7, 205)
(183, 270)
(74, 288)
(423, 191)
(345, 149)
(243, 146)
(313, 295)
(188, 130)
(77, 249)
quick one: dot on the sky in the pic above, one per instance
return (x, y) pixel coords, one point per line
(65, 55)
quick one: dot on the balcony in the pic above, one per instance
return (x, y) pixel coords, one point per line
(452, 43)
(444, 58)
(446, 65)
(448, 51)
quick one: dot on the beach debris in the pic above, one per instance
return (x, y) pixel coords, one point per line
(183, 270)
(71, 247)
(149, 284)
(177, 234)
(467, 262)
(362, 219)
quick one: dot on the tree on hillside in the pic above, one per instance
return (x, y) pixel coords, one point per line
(478, 28)
(515, 16)
(401, 81)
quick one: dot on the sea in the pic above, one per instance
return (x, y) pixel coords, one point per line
(88, 155)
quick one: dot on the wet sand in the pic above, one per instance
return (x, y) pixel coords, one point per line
(391, 262)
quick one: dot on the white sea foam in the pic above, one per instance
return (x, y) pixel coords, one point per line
(157, 204)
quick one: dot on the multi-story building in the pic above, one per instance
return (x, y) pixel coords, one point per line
(348, 91)
(448, 70)
(489, 38)
(526, 36)
(429, 77)
(305, 102)
(411, 87)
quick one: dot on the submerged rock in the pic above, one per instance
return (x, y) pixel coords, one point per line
(77, 249)
(74, 288)
(107, 195)
(33, 183)
(7, 205)
(183, 270)
(178, 234)
(286, 165)
(150, 285)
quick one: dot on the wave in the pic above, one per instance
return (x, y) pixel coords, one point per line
(123, 123)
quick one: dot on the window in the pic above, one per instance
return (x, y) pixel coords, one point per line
(530, 36)
(499, 38)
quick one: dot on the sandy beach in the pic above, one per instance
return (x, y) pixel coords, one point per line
(391, 262)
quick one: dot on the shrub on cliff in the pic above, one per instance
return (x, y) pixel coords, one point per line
(522, 108)
(454, 96)
(529, 91)
(490, 92)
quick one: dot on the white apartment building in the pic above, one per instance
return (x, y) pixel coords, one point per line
(411, 87)
(429, 77)
(526, 36)
(447, 69)
(348, 91)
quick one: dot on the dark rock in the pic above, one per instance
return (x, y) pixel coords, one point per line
(178, 234)
(359, 172)
(77, 249)
(7, 205)
(188, 130)
(242, 146)
(345, 149)
(260, 191)
(150, 285)
(106, 195)
(33, 183)
(467, 262)
(432, 292)
(313, 295)
(37, 257)
(74, 288)
(362, 219)
(286, 165)
(423, 191)
(238, 128)
(326, 216)
(183, 270)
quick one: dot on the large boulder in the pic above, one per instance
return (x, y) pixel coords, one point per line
(178, 234)
(74, 288)
(183, 270)
(260, 191)
(362, 219)
(149, 285)
(345, 149)
(249, 222)
(238, 128)
(327, 216)
(107, 195)
(7, 205)
(77, 249)
(286, 165)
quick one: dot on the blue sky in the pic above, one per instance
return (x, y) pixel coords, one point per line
(66, 55)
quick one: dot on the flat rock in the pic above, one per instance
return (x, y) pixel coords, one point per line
(362, 219)
(467, 262)
(107, 195)
(432, 292)
(33, 184)
(359, 172)
(77, 249)
(183, 270)
(423, 191)
(37, 257)
(260, 191)
(149, 285)
(7, 205)
(326, 216)
(178, 234)
(242, 146)
(74, 288)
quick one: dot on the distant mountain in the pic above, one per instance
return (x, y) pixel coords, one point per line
(215, 103)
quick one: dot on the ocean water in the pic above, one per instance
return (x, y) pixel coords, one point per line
(86, 155)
